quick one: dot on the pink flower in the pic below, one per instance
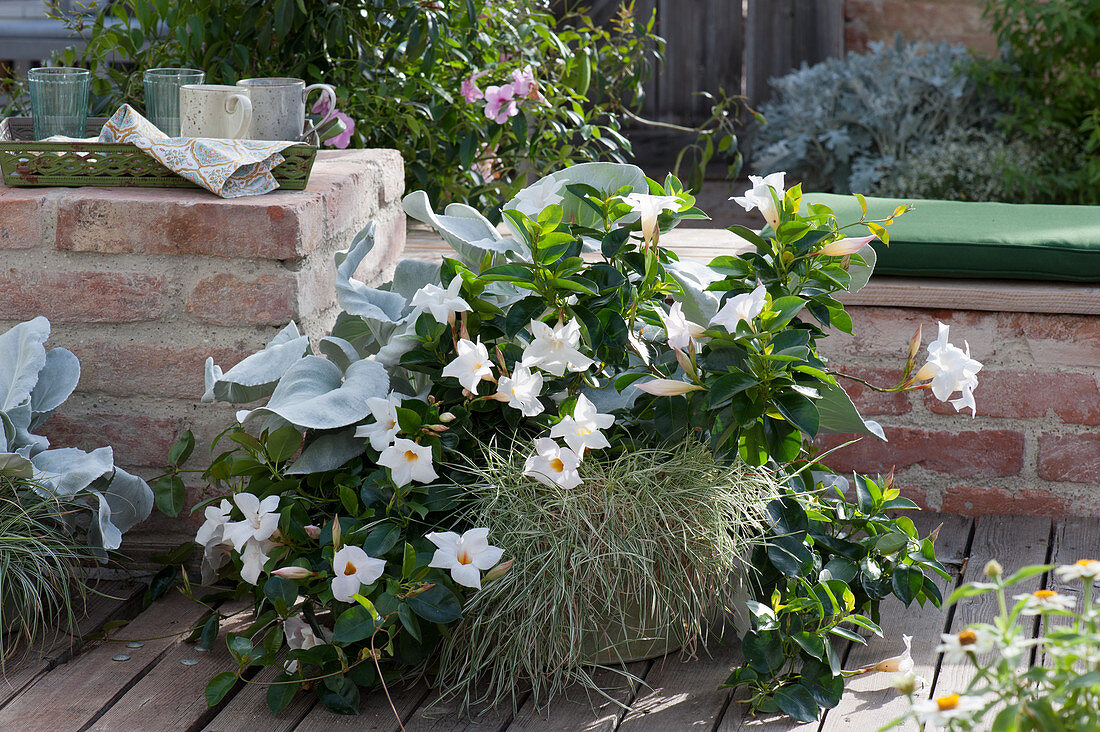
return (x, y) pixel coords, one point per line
(500, 103)
(344, 138)
(524, 83)
(470, 92)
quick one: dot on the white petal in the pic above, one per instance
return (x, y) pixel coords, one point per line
(466, 575)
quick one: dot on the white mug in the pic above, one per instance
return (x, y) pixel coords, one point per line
(215, 110)
(279, 107)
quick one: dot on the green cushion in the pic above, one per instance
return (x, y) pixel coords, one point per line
(994, 240)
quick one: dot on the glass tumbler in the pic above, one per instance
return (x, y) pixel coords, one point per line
(162, 96)
(59, 101)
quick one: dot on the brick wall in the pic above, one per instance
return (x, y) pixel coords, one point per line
(955, 21)
(1034, 447)
(143, 285)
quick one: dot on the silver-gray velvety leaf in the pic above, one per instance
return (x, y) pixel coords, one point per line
(254, 377)
(698, 304)
(328, 452)
(354, 296)
(315, 394)
(22, 356)
(14, 465)
(861, 273)
(412, 274)
(339, 351)
(56, 382)
(470, 234)
(130, 499)
(67, 470)
(606, 177)
(839, 414)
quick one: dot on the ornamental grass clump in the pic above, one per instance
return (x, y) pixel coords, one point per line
(41, 580)
(645, 549)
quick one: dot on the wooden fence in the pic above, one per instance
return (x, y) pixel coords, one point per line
(735, 45)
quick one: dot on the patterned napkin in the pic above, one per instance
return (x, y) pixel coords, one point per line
(228, 168)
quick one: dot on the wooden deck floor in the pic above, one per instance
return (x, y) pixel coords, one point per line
(160, 687)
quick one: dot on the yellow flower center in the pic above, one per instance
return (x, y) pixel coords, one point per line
(947, 703)
(968, 638)
(349, 569)
(1044, 594)
(557, 465)
(1085, 562)
(410, 456)
(584, 431)
(464, 557)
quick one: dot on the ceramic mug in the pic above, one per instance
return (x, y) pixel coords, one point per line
(279, 107)
(214, 110)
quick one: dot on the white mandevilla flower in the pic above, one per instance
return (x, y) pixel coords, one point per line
(211, 532)
(353, 568)
(299, 636)
(408, 461)
(471, 365)
(466, 556)
(971, 641)
(253, 559)
(521, 390)
(951, 369)
(1082, 569)
(534, 198)
(680, 331)
(442, 304)
(746, 306)
(384, 429)
(555, 349)
(844, 247)
(553, 465)
(649, 207)
(760, 196)
(1040, 600)
(260, 520)
(899, 664)
(941, 710)
(667, 387)
(582, 430)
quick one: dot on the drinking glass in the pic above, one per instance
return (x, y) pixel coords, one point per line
(162, 96)
(59, 101)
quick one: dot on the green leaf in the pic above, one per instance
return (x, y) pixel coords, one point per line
(785, 308)
(970, 589)
(170, 494)
(797, 702)
(219, 686)
(408, 561)
(726, 387)
(810, 643)
(751, 236)
(339, 694)
(283, 443)
(281, 592)
(1025, 572)
(763, 651)
(409, 621)
(789, 554)
(281, 692)
(349, 500)
(381, 539)
(1007, 720)
(907, 582)
(354, 624)
(437, 604)
(800, 411)
(240, 648)
(838, 413)
(890, 543)
(209, 633)
(181, 449)
(409, 421)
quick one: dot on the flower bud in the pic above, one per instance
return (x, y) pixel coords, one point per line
(336, 532)
(292, 573)
(446, 418)
(844, 247)
(313, 532)
(668, 387)
(498, 571)
(906, 683)
(914, 345)
(993, 569)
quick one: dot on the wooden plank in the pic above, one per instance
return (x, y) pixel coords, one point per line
(684, 694)
(248, 709)
(869, 701)
(1014, 541)
(702, 53)
(173, 692)
(582, 708)
(781, 35)
(374, 712)
(447, 715)
(112, 600)
(75, 693)
(1074, 538)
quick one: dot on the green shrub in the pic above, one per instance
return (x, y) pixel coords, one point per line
(399, 67)
(1047, 80)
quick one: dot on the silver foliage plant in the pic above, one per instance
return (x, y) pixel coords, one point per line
(845, 125)
(33, 383)
(323, 391)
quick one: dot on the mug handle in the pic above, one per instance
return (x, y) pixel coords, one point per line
(326, 91)
(244, 111)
